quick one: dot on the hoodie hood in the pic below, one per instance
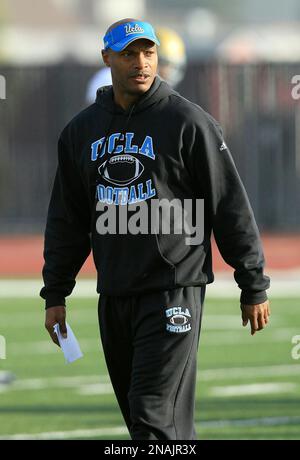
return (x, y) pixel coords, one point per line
(159, 90)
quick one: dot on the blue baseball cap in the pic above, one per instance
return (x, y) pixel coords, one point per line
(121, 36)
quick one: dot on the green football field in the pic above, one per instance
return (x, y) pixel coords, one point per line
(248, 387)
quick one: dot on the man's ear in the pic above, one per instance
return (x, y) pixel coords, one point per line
(105, 57)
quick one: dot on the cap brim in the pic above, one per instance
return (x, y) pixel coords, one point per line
(120, 46)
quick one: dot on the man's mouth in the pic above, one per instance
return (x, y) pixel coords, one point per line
(140, 78)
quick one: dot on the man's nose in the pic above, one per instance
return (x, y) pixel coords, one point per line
(140, 61)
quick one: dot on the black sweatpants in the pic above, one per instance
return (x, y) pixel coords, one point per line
(150, 343)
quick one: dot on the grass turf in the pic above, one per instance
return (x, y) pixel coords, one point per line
(44, 398)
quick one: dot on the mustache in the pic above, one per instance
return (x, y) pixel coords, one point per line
(139, 74)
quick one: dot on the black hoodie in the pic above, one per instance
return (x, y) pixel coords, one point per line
(164, 147)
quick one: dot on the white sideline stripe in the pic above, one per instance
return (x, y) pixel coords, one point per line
(206, 375)
(284, 284)
(120, 430)
(253, 389)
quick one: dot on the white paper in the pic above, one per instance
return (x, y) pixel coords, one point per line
(70, 345)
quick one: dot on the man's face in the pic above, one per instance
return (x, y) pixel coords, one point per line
(133, 69)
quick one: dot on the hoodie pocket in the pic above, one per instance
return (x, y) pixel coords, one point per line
(161, 253)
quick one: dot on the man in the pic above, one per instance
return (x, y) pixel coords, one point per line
(141, 141)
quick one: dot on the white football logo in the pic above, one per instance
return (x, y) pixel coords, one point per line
(178, 319)
(121, 169)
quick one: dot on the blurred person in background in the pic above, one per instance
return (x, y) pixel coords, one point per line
(171, 56)
(141, 140)
(171, 63)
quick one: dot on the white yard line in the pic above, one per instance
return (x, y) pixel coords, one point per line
(30, 288)
(226, 323)
(47, 347)
(58, 382)
(90, 384)
(264, 421)
(216, 322)
(242, 336)
(95, 389)
(253, 389)
(121, 430)
(223, 337)
(248, 372)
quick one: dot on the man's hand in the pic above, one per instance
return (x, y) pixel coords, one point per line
(56, 315)
(258, 315)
